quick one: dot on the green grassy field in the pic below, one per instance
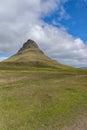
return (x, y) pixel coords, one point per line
(41, 98)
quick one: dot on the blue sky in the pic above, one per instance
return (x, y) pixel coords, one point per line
(58, 27)
(76, 22)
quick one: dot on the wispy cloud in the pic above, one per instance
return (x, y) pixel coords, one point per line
(84, 0)
(2, 58)
(21, 20)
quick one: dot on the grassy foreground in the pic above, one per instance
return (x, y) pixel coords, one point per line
(41, 99)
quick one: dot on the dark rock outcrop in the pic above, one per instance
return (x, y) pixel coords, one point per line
(29, 44)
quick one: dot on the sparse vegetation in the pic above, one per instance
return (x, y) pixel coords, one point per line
(41, 98)
(37, 93)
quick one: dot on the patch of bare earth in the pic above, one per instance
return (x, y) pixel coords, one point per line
(81, 124)
(12, 79)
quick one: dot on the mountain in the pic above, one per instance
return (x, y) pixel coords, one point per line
(31, 55)
(83, 67)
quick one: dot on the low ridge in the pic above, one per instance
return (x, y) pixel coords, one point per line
(31, 54)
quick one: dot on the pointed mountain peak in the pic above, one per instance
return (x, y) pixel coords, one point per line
(30, 54)
(30, 44)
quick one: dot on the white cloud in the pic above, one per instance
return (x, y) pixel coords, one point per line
(2, 58)
(59, 45)
(21, 20)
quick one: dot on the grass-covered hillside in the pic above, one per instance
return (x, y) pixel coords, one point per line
(37, 93)
(42, 98)
(31, 55)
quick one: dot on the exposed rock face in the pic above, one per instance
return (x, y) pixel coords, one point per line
(29, 44)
